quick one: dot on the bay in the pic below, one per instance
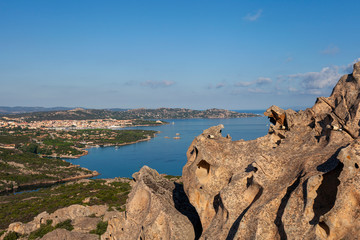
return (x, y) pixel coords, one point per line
(164, 153)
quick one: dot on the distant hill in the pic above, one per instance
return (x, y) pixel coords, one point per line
(142, 113)
(18, 109)
(14, 110)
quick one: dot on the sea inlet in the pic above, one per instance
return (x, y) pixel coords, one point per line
(167, 151)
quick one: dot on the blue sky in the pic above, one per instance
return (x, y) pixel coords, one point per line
(194, 54)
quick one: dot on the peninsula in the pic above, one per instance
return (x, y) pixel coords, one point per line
(30, 157)
(134, 114)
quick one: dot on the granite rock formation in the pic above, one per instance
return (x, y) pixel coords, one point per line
(156, 209)
(300, 181)
(83, 218)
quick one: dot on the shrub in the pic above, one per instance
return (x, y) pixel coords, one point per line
(100, 228)
(65, 225)
(12, 236)
(44, 229)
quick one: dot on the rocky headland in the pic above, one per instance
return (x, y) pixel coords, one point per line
(300, 181)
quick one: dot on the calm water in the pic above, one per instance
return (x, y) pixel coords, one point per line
(163, 154)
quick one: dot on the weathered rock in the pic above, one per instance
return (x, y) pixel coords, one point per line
(297, 182)
(156, 209)
(78, 214)
(76, 211)
(63, 234)
(85, 224)
(22, 228)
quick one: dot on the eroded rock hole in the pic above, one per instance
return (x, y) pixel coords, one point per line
(326, 193)
(249, 181)
(325, 227)
(203, 169)
(251, 168)
(217, 203)
(356, 165)
(194, 151)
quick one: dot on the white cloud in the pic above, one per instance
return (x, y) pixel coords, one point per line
(251, 17)
(327, 77)
(263, 80)
(349, 68)
(243, 84)
(158, 84)
(330, 50)
(314, 83)
(314, 92)
(258, 82)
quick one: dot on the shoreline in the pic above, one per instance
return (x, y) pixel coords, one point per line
(47, 183)
(96, 146)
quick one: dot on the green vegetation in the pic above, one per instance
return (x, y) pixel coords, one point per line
(44, 229)
(100, 228)
(171, 177)
(24, 168)
(12, 236)
(65, 225)
(31, 158)
(25, 206)
(111, 137)
(68, 143)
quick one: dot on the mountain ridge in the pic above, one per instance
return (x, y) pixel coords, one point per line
(140, 113)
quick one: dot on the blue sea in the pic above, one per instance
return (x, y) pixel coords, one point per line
(166, 155)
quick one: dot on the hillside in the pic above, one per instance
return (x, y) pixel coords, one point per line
(20, 109)
(16, 110)
(142, 113)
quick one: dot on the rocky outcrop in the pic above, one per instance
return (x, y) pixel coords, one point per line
(156, 209)
(300, 181)
(83, 219)
(67, 235)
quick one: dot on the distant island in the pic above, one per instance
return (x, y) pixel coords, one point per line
(119, 114)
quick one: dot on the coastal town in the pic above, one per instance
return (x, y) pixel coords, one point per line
(9, 123)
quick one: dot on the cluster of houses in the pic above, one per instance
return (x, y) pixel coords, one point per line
(66, 124)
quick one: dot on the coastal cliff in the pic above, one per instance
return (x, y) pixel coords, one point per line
(300, 181)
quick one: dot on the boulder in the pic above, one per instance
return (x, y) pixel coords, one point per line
(156, 209)
(63, 234)
(76, 211)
